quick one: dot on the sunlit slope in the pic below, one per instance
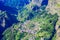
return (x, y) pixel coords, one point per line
(54, 6)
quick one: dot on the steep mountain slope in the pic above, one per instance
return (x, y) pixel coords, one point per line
(54, 7)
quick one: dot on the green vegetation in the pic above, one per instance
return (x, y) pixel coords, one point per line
(58, 5)
(41, 26)
(54, 38)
